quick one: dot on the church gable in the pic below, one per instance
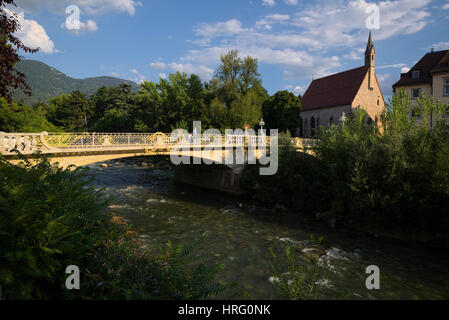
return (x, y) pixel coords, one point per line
(335, 90)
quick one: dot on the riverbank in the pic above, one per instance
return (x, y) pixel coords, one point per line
(241, 234)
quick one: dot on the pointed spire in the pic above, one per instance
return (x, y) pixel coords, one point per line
(370, 44)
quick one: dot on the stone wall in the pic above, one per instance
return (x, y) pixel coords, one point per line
(215, 177)
(322, 117)
(370, 99)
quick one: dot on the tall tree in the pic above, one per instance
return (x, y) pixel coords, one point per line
(9, 57)
(282, 111)
(227, 80)
(249, 75)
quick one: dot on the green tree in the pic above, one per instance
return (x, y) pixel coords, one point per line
(282, 111)
(70, 111)
(9, 57)
(19, 118)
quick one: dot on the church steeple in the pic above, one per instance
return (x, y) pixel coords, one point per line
(370, 61)
(370, 53)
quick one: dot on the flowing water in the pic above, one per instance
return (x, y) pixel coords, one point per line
(240, 235)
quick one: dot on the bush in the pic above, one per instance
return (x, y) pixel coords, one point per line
(48, 220)
(394, 175)
(51, 218)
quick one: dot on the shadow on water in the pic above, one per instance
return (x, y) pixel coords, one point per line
(240, 234)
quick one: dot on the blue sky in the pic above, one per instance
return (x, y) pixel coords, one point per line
(294, 40)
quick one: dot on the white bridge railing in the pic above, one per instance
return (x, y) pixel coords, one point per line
(28, 143)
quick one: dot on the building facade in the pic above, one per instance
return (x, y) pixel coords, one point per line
(329, 99)
(430, 77)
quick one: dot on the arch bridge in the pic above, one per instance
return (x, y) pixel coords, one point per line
(87, 148)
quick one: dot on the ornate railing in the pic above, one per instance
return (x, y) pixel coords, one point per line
(28, 143)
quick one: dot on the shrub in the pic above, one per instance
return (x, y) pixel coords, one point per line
(48, 220)
(393, 175)
(51, 218)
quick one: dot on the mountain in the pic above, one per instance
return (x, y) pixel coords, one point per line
(47, 82)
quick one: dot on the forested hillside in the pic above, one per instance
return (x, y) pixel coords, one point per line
(47, 82)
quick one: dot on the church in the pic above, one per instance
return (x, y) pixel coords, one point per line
(329, 99)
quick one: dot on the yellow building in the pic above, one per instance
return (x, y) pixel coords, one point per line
(328, 99)
(430, 76)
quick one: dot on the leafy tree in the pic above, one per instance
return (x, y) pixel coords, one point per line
(70, 111)
(249, 76)
(282, 111)
(227, 77)
(9, 57)
(19, 118)
(115, 120)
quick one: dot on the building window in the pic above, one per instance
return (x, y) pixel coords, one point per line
(331, 120)
(446, 87)
(416, 93)
(415, 74)
(378, 102)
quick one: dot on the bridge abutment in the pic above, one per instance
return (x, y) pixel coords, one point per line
(214, 177)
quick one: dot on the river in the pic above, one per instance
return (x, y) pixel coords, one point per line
(240, 234)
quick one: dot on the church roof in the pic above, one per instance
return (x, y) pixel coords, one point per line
(431, 63)
(335, 90)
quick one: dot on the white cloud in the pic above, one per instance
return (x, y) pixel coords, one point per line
(441, 45)
(158, 66)
(88, 26)
(87, 6)
(162, 76)
(269, 3)
(302, 46)
(204, 72)
(32, 34)
(386, 82)
(137, 76)
(227, 28)
(342, 23)
(392, 66)
(271, 19)
(445, 6)
(355, 54)
(405, 69)
(291, 2)
(297, 90)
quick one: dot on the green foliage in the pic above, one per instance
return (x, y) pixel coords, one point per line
(19, 118)
(395, 176)
(47, 82)
(51, 218)
(232, 99)
(282, 111)
(121, 267)
(48, 218)
(113, 121)
(296, 280)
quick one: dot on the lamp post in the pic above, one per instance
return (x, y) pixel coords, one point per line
(261, 124)
(343, 118)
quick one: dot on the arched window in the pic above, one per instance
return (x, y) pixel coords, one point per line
(331, 120)
(306, 123)
(301, 128)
